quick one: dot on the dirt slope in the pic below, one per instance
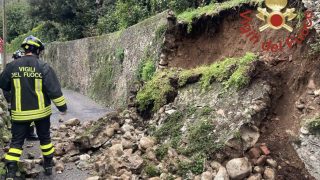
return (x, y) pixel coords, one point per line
(290, 71)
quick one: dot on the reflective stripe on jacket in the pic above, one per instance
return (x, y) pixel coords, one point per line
(33, 84)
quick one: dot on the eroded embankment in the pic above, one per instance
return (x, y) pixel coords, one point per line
(289, 72)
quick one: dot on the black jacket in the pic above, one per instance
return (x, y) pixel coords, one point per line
(33, 84)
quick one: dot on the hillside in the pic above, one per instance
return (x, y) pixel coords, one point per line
(198, 95)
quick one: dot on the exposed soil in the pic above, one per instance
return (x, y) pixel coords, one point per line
(281, 128)
(214, 38)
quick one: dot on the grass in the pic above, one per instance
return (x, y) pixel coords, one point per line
(196, 166)
(171, 127)
(201, 139)
(154, 92)
(212, 9)
(160, 32)
(231, 72)
(103, 82)
(120, 54)
(162, 151)
(314, 125)
(148, 70)
(151, 170)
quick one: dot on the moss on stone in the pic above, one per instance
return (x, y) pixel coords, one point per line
(314, 125)
(160, 32)
(196, 166)
(162, 151)
(212, 9)
(103, 79)
(201, 139)
(171, 128)
(155, 91)
(231, 72)
(151, 170)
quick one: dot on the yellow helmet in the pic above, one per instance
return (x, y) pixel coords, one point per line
(32, 41)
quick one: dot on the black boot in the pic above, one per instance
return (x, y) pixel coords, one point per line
(11, 170)
(31, 135)
(48, 165)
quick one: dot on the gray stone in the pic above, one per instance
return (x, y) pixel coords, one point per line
(59, 167)
(207, 175)
(84, 157)
(249, 135)
(222, 174)
(116, 150)
(272, 163)
(93, 178)
(255, 177)
(239, 168)
(258, 169)
(72, 122)
(269, 174)
(146, 142)
(171, 111)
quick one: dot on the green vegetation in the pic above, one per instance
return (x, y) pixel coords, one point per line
(151, 170)
(155, 91)
(212, 9)
(46, 30)
(171, 128)
(86, 18)
(195, 166)
(190, 110)
(160, 32)
(162, 151)
(231, 72)
(148, 70)
(201, 139)
(120, 54)
(314, 125)
(240, 78)
(205, 111)
(103, 78)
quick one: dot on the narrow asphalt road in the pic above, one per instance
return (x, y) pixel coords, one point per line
(81, 107)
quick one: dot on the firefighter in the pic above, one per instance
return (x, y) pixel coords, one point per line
(31, 135)
(33, 84)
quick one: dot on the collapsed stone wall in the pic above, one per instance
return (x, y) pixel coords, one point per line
(4, 121)
(105, 67)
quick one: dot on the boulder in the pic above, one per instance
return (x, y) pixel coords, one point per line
(269, 174)
(59, 167)
(222, 174)
(146, 142)
(272, 163)
(239, 168)
(72, 122)
(116, 150)
(249, 136)
(93, 178)
(255, 177)
(207, 175)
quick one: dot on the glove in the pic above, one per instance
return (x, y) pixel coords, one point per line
(62, 116)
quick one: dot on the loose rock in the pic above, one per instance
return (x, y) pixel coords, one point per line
(269, 174)
(239, 168)
(222, 174)
(72, 122)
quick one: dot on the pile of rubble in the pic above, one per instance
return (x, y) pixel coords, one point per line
(118, 147)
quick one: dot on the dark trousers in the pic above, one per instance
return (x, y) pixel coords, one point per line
(20, 131)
